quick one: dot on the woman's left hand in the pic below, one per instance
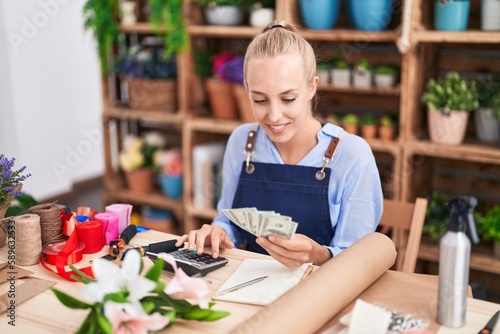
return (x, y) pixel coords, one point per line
(295, 251)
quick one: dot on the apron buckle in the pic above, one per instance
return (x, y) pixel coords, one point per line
(250, 168)
(320, 175)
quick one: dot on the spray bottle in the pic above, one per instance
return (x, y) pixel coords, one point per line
(454, 259)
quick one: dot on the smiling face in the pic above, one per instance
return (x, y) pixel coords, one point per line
(281, 95)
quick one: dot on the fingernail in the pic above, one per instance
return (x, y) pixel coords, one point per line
(191, 246)
(200, 249)
(214, 254)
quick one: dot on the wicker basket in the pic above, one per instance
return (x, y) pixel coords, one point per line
(152, 95)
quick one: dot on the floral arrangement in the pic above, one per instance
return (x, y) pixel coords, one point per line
(139, 152)
(169, 162)
(10, 179)
(229, 68)
(120, 300)
(146, 63)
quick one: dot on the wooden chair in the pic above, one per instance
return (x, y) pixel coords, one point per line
(405, 221)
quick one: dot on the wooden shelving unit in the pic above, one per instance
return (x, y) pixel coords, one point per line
(423, 60)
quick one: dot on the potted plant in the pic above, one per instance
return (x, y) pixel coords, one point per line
(490, 15)
(137, 160)
(385, 76)
(373, 15)
(101, 17)
(436, 215)
(151, 79)
(487, 115)
(169, 166)
(334, 118)
(490, 228)
(449, 101)
(340, 74)
(11, 182)
(362, 74)
(323, 72)
(386, 128)
(167, 21)
(261, 12)
(350, 123)
(319, 14)
(223, 12)
(368, 124)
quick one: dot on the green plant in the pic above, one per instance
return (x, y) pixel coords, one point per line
(350, 119)
(386, 121)
(436, 216)
(21, 203)
(341, 65)
(488, 91)
(322, 66)
(368, 119)
(146, 63)
(490, 225)
(168, 22)
(385, 69)
(363, 65)
(262, 3)
(451, 93)
(203, 62)
(101, 17)
(11, 180)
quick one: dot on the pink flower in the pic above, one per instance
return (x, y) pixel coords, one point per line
(220, 59)
(172, 163)
(184, 287)
(139, 323)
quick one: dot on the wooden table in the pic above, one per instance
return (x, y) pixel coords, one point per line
(413, 293)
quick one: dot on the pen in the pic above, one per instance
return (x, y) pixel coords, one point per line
(239, 286)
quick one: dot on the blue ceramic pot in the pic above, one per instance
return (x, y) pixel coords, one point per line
(451, 15)
(171, 186)
(369, 15)
(319, 14)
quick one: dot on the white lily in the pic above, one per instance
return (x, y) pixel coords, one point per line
(112, 279)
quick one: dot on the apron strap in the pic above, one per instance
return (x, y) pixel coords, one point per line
(320, 175)
(249, 151)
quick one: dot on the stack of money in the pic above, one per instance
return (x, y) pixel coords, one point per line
(262, 223)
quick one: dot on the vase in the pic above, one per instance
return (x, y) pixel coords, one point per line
(451, 15)
(487, 127)
(127, 9)
(340, 77)
(3, 209)
(372, 15)
(261, 17)
(319, 14)
(152, 94)
(490, 15)
(386, 133)
(369, 132)
(222, 101)
(447, 129)
(385, 80)
(171, 186)
(224, 15)
(140, 180)
(362, 79)
(243, 102)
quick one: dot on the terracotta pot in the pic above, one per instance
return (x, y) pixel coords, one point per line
(221, 98)
(243, 102)
(386, 133)
(140, 180)
(351, 128)
(369, 131)
(447, 129)
(496, 249)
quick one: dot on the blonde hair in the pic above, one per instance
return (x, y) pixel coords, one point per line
(279, 38)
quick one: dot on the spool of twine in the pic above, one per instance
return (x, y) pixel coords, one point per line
(50, 222)
(28, 239)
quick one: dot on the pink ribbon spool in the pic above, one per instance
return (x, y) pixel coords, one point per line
(110, 222)
(123, 212)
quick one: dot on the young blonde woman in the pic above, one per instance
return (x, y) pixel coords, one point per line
(324, 178)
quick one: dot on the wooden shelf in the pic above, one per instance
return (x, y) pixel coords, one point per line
(208, 214)
(395, 91)
(469, 152)
(212, 125)
(139, 28)
(349, 35)
(481, 257)
(153, 116)
(467, 37)
(392, 147)
(223, 31)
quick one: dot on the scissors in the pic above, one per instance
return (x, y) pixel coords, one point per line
(488, 329)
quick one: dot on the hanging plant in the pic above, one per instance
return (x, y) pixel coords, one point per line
(101, 16)
(167, 21)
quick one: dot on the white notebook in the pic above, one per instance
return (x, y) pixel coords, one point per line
(280, 279)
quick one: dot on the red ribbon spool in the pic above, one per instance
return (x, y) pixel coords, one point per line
(51, 252)
(91, 234)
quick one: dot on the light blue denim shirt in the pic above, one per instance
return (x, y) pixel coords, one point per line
(354, 193)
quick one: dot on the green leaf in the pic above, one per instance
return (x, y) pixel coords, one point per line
(104, 324)
(69, 301)
(115, 297)
(197, 314)
(155, 271)
(216, 315)
(81, 276)
(88, 325)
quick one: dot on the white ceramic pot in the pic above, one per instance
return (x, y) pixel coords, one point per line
(340, 77)
(224, 15)
(385, 80)
(447, 129)
(362, 79)
(261, 17)
(324, 77)
(487, 127)
(127, 9)
(490, 14)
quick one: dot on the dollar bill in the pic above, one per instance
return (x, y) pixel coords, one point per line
(278, 226)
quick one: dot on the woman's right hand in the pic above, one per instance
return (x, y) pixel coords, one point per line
(207, 235)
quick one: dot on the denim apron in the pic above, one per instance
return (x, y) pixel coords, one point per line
(299, 192)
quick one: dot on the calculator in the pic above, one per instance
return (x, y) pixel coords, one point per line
(192, 263)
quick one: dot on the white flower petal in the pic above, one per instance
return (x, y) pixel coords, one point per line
(131, 265)
(139, 287)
